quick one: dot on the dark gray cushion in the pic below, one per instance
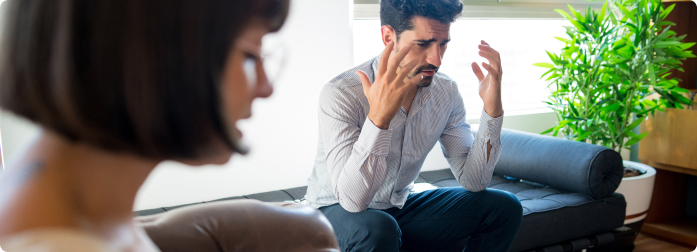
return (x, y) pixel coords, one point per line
(552, 216)
(549, 215)
(297, 192)
(273, 196)
(150, 211)
(562, 164)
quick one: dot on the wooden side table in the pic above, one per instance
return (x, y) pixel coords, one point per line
(671, 148)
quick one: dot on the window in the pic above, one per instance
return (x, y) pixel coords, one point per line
(521, 30)
(520, 42)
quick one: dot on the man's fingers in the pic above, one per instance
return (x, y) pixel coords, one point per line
(385, 57)
(365, 81)
(490, 69)
(493, 60)
(406, 69)
(489, 49)
(477, 71)
(397, 58)
(492, 56)
(415, 80)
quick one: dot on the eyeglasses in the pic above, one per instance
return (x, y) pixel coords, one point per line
(274, 51)
(272, 59)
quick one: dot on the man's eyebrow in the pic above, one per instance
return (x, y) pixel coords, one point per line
(430, 40)
(425, 41)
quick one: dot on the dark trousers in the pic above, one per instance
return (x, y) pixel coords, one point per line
(432, 220)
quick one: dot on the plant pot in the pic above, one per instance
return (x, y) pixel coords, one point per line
(637, 192)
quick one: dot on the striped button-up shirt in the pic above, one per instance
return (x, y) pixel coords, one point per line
(362, 166)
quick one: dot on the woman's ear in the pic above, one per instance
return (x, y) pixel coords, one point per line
(388, 34)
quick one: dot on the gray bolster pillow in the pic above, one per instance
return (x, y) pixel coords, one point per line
(562, 164)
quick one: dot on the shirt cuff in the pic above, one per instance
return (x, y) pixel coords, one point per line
(491, 128)
(374, 139)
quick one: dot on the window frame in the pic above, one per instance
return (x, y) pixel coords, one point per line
(493, 9)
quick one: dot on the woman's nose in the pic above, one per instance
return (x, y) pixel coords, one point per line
(264, 88)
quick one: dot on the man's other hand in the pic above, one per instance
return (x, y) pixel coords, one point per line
(391, 85)
(490, 85)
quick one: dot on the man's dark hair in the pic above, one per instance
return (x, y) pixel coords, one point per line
(140, 76)
(399, 13)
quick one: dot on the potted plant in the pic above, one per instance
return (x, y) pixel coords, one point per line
(602, 82)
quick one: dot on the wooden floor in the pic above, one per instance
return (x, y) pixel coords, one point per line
(645, 243)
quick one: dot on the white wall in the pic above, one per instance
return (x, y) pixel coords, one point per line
(283, 130)
(17, 134)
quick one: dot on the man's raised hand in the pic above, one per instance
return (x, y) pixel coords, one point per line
(490, 85)
(386, 94)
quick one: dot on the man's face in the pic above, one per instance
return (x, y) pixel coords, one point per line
(429, 39)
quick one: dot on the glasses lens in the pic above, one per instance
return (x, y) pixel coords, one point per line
(274, 56)
(250, 71)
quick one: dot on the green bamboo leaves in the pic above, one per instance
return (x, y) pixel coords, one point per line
(611, 63)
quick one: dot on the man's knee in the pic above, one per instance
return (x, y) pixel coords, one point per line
(381, 225)
(364, 229)
(508, 204)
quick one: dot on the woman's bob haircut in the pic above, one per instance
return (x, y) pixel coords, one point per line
(138, 76)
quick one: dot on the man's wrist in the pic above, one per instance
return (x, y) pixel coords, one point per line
(379, 123)
(494, 112)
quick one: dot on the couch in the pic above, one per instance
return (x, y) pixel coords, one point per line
(566, 189)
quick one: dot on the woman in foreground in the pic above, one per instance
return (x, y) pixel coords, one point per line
(119, 86)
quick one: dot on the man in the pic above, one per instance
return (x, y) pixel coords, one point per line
(378, 122)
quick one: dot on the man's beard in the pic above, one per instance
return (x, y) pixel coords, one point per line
(426, 80)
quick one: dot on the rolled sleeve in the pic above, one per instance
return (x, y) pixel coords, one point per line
(490, 129)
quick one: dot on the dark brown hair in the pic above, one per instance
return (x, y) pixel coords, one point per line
(125, 75)
(398, 14)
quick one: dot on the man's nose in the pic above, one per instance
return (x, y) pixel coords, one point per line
(434, 56)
